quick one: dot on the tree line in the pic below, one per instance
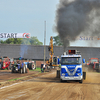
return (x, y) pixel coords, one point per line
(30, 41)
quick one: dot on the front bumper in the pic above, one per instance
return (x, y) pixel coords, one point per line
(71, 78)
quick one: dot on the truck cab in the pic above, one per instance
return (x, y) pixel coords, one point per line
(94, 63)
(71, 66)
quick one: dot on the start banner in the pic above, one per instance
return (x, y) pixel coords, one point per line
(14, 35)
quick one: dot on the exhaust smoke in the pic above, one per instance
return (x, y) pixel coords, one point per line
(77, 17)
(24, 48)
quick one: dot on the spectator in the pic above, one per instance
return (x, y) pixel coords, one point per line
(42, 67)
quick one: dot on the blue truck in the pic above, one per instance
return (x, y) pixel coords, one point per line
(71, 66)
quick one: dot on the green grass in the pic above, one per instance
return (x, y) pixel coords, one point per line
(14, 79)
(5, 69)
(37, 69)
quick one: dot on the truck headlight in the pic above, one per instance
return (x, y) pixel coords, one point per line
(63, 74)
(79, 74)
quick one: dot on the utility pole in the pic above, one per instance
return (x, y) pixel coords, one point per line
(44, 39)
(0, 48)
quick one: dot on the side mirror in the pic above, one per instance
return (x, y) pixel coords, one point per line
(83, 60)
(59, 61)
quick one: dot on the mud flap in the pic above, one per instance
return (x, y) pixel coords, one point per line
(58, 74)
(84, 75)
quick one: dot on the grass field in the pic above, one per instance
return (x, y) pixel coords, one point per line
(37, 69)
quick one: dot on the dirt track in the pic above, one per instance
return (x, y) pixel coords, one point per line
(6, 75)
(49, 88)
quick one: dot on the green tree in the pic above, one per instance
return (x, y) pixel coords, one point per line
(57, 41)
(28, 41)
(13, 41)
(31, 41)
(35, 41)
(1, 41)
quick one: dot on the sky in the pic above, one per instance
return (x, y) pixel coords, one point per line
(19, 16)
(29, 16)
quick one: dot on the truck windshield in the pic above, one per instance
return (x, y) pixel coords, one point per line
(70, 60)
(94, 60)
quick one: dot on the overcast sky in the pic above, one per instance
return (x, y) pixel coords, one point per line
(28, 16)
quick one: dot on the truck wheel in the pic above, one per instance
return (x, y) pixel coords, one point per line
(61, 80)
(84, 75)
(32, 66)
(81, 81)
(58, 74)
(99, 68)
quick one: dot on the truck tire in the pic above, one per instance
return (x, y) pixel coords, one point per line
(61, 80)
(81, 81)
(84, 75)
(99, 69)
(32, 67)
(58, 74)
